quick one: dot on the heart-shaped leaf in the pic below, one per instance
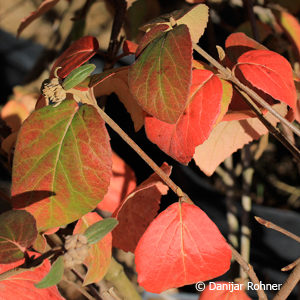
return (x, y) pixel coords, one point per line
(99, 256)
(271, 73)
(17, 233)
(62, 164)
(181, 246)
(54, 276)
(160, 79)
(77, 54)
(138, 210)
(195, 124)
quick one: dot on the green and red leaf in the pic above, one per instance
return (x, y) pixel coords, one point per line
(195, 124)
(99, 256)
(160, 79)
(77, 54)
(181, 246)
(138, 210)
(62, 164)
(269, 72)
(17, 233)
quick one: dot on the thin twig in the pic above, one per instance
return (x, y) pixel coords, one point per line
(291, 266)
(79, 288)
(249, 270)
(289, 284)
(176, 189)
(228, 75)
(273, 226)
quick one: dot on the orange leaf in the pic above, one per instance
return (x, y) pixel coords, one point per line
(269, 72)
(138, 210)
(195, 124)
(21, 286)
(122, 183)
(99, 256)
(181, 246)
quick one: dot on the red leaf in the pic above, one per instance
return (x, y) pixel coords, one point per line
(62, 164)
(193, 127)
(122, 183)
(181, 246)
(129, 47)
(17, 233)
(21, 286)
(138, 210)
(76, 55)
(160, 78)
(269, 72)
(229, 136)
(99, 256)
(224, 290)
(42, 9)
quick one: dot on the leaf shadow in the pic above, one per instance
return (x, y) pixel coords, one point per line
(27, 198)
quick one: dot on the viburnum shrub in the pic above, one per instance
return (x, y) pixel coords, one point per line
(63, 165)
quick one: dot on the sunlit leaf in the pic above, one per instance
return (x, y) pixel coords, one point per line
(181, 246)
(62, 164)
(161, 77)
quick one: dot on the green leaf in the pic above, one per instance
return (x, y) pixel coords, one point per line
(160, 78)
(99, 230)
(54, 276)
(78, 75)
(62, 164)
(17, 233)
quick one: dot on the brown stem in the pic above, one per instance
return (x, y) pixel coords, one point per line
(228, 75)
(273, 226)
(176, 189)
(79, 288)
(249, 270)
(289, 284)
(248, 4)
(291, 266)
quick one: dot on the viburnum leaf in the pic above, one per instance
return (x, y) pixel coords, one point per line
(223, 290)
(117, 83)
(269, 72)
(17, 233)
(129, 47)
(62, 164)
(195, 18)
(54, 276)
(122, 183)
(138, 210)
(99, 256)
(292, 28)
(154, 33)
(77, 54)
(42, 9)
(195, 124)
(229, 136)
(160, 78)
(21, 286)
(181, 246)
